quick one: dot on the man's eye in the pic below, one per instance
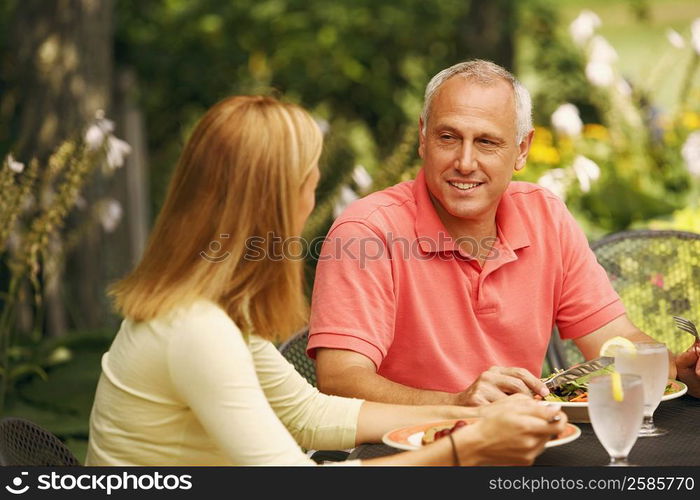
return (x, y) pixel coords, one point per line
(446, 137)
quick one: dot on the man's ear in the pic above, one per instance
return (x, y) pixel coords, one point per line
(421, 138)
(523, 150)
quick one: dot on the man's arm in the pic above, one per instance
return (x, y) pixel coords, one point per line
(621, 326)
(350, 374)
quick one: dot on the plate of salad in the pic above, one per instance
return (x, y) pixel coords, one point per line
(573, 396)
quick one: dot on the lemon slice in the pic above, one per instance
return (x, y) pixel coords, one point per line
(616, 381)
(611, 346)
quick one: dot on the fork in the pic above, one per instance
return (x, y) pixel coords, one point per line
(687, 326)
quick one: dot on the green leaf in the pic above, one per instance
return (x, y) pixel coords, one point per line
(26, 369)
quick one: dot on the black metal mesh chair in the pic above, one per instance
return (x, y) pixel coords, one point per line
(294, 350)
(25, 443)
(657, 275)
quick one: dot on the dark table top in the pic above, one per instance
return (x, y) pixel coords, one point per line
(681, 446)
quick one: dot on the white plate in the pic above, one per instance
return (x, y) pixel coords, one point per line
(682, 389)
(578, 412)
(409, 438)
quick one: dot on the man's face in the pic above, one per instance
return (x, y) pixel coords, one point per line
(469, 149)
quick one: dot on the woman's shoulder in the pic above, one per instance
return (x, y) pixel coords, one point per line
(201, 315)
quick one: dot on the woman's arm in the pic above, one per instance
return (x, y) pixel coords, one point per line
(513, 431)
(213, 371)
(376, 419)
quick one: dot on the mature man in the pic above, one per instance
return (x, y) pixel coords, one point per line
(445, 289)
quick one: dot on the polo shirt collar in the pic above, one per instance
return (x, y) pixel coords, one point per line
(511, 226)
(433, 237)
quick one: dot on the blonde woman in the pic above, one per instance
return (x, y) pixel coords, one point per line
(192, 377)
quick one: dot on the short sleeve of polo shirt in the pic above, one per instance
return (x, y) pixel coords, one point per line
(353, 304)
(587, 301)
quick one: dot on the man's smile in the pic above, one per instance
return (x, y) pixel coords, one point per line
(464, 186)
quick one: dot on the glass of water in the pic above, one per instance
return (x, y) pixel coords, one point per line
(616, 423)
(649, 361)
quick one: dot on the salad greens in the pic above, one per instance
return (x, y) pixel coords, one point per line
(577, 388)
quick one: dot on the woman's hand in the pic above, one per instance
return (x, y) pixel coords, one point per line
(513, 431)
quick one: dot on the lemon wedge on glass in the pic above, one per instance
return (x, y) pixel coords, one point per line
(616, 381)
(612, 345)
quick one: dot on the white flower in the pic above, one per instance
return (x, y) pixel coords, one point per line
(116, 151)
(347, 196)
(695, 35)
(362, 178)
(60, 355)
(94, 137)
(601, 51)
(623, 87)
(555, 180)
(566, 120)
(98, 131)
(14, 165)
(323, 125)
(691, 153)
(600, 74)
(586, 171)
(675, 38)
(109, 212)
(583, 27)
(104, 123)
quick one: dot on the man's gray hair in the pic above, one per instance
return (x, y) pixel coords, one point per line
(485, 73)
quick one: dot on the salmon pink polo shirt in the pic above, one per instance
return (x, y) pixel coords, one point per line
(391, 284)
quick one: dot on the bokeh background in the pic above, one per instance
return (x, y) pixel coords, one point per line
(616, 92)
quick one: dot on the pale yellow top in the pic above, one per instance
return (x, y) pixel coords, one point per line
(186, 389)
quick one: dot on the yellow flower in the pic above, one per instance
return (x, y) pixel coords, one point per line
(690, 120)
(541, 153)
(595, 131)
(542, 136)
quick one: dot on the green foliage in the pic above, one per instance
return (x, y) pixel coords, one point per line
(633, 145)
(63, 401)
(356, 64)
(556, 62)
(33, 210)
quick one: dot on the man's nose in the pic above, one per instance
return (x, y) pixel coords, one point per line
(466, 161)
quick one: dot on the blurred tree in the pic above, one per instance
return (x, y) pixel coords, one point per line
(359, 65)
(556, 62)
(364, 61)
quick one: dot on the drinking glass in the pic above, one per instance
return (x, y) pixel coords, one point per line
(650, 361)
(616, 423)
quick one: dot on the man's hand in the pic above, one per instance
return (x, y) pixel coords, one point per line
(688, 367)
(497, 383)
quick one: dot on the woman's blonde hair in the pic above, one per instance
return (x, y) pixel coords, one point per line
(238, 178)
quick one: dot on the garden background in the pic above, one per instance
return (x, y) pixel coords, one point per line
(616, 91)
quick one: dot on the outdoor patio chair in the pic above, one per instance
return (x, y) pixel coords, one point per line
(294, 350)
(657, 275)
(25, 443)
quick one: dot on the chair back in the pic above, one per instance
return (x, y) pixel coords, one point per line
(294, 350)
(25, 443)
(657, 275)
